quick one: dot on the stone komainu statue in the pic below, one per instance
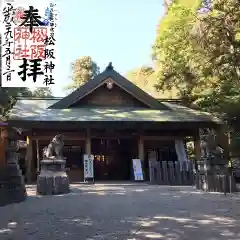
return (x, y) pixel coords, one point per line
(209, 146)
(54, 148)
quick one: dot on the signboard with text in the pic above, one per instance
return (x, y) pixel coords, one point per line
(88, 166)
(28, 43)
(137, 169)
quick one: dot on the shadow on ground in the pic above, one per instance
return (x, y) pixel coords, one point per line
(123, 211)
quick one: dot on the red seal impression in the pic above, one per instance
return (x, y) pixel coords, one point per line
(18, 15)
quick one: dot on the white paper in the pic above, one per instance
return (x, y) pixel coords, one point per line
(88, 166)
(181, 152)
(137, 169)
(12, 68)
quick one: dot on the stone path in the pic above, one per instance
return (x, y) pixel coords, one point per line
(123, 211)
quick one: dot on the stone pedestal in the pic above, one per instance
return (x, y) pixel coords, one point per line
(52, 179)
(12, 186)
(213, 175)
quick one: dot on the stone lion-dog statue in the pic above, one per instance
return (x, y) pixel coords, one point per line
(54, 148)
(209, 145)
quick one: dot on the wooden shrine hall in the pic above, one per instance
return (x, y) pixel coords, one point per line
(112, 119)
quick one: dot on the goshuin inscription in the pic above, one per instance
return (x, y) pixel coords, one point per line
(28, 44)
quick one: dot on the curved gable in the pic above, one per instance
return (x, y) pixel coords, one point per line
(93, 87)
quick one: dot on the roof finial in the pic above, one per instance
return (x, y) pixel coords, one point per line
(109, 67)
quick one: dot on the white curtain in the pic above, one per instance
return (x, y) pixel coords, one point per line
(181, 152)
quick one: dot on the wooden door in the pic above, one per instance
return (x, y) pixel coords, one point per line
(112, 158)
(99, 152)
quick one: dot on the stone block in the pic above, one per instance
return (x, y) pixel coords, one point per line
(216, 182)
(52, 179)
(12, 187)
(45, 185)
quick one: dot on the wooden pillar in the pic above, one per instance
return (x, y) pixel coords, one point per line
(3, 144)
(197, 146)
(88, 141)
(29, 159)
(38, 157)
(141, 154)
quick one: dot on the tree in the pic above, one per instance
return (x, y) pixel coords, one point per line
(139, 75)
(145, 78)
(8, 99)
(42, 92)
(83, 69)
(176, 59)
(218, 37)
(197, 51)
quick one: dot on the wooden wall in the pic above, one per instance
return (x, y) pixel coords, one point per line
(144, 140)
(108, 132)
(102, 96)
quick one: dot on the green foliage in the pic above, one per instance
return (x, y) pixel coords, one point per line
(190, 149)
(139, 76)
(83, 69)
(8, 97)
(176, 58)
(199, 54)
(17, 91)
(218, 40)
(145, 78)
(42, 92)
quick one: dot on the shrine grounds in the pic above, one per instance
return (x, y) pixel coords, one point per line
(123, 211)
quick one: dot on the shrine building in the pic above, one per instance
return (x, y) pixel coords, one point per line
(112, 119)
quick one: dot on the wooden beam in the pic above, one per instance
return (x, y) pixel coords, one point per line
(94, 136)
(150, 138)
(75, 126)
(38, 157)
(38, 132)
(50, 137)
(197, 145)
(141, 149)
(88, 141)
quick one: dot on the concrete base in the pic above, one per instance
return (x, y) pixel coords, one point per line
(52, 179)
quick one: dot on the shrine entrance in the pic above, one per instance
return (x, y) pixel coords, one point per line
(113, 158)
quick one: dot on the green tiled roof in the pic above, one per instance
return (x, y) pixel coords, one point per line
(37, 110)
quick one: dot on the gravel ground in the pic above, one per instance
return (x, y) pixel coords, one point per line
(123, 211)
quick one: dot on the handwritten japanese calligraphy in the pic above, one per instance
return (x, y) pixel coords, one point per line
(7, 42)
(28, 44)
(50, 43)
(31, 69)
(31, 18)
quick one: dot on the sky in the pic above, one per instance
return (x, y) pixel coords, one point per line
(117, 31)
(120, 31)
